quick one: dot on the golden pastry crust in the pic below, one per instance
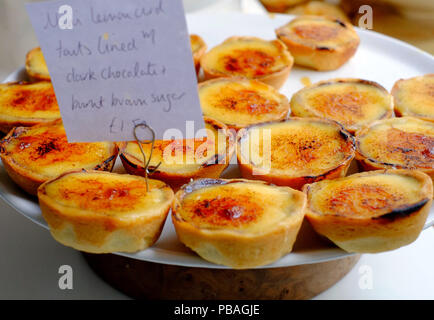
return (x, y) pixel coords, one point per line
(371, 211)
(320, 43)
(33, 155)
(198, 48)
(249, 57)
(301, 150)
(223, 221)
(183, 160)
(352, 102)
(415, 97)
(35, 65)
(27, 104)
(239, 102)
(397, 143)
(103, 212)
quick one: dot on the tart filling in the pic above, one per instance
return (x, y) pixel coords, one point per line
(397, 143)
(239, 103)
(247, 57)
(368, 196)
(415, 97)
(27, 104)
(352, 102)
(43, 152)
(297, 147)
(234, 206)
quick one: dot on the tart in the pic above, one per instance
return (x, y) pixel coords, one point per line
(415, 97)
(249, 57)
(224, 223)
(35, 65)
(198, 48)
(403, 143)
(103, 212)
(182, 159)
(241, 102)
(352, 102)
(27, 104)
(371, 211)
(295, 151)
(320, 43)
(33, 155)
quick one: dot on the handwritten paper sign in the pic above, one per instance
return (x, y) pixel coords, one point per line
(117, 63)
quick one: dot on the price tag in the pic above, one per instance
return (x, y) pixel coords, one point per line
(115, 64)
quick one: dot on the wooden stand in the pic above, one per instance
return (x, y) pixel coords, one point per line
(146, 280)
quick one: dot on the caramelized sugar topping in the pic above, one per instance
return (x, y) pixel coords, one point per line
(248, 62)
(343, 106)
(363, 201)
(366, 195)
(412, 149)
(224, 209)
(31, 98)
(242, 206)
(301, 147)
(245, 101)
(95, 195)
(48, 145)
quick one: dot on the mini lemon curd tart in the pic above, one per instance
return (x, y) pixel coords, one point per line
(27, 104)
(295, 151)
(241, 102)
(35, 65)
(198, 48)
(372, 211)
(415, 97)
(249, 57)
(320, 43)
(183, 159)
(103, 212)
(352, 102)
(33, 155)
(238, 223)
(397, 143)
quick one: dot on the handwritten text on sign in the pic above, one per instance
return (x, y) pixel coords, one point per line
(115, 64)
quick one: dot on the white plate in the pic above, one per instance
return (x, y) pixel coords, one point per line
(378, 58)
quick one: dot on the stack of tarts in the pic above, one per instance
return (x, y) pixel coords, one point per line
(293, 156)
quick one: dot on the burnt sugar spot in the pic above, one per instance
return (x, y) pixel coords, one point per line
(34, 100)
(46, 147)
(411, 148)
(248, 62)
(225, 210)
